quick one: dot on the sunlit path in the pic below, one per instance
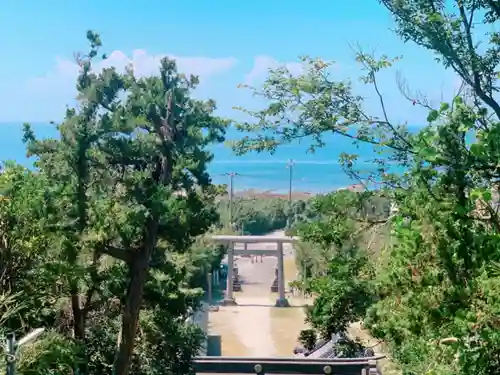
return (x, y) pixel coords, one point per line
(255, 327)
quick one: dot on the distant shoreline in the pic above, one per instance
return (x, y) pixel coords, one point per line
(255, 193)
(296, 195)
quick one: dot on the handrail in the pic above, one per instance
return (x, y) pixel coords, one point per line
(287, 359)
(286, 365)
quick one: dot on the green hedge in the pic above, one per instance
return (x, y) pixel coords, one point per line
(257, 216)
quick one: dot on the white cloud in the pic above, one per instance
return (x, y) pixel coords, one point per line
(49, 94)
(62, 77)
(262, 65)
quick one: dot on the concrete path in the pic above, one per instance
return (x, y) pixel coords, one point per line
(255, 327)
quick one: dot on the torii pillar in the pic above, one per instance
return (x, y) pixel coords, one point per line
(229, 298)
(281, 301)
(229, 241)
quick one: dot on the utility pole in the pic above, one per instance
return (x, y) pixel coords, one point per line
(231, 193)
(290, 165)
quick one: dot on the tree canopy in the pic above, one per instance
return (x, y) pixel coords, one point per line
(105, 234)
(104, 242)
(429, 291)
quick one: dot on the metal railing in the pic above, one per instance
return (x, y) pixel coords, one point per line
(249, 365)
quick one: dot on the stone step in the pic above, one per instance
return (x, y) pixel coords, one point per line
(274, 287)
(236, 284)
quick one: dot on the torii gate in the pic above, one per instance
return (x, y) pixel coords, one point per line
(231, 241)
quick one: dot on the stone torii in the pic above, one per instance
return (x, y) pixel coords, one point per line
(231, 241)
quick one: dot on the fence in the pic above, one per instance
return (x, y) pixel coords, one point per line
(248, 365)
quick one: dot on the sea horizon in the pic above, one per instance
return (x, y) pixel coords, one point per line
(313, 173)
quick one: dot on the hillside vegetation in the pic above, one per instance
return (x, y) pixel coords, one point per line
(430, 288)
(258, 216)
(97, 245)
(105, 244)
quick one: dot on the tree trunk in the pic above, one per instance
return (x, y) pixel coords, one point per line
(78, 323)
(78, 317)
(139, 270)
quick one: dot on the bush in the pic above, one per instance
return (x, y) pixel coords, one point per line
(258, 216)
(308, 339)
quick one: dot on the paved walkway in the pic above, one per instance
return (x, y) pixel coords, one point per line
(255, 327)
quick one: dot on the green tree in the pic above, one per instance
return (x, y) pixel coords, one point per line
(308, 339)
(454, 31)
(25, 246)
(33, 290)
(128, 193)
(335, 268)
(255, 216)
(436, 296)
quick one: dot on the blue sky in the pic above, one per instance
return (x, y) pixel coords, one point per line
(226, 42)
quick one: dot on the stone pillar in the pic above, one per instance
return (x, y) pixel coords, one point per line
(281, 301)
(209, 287)
(229, 299)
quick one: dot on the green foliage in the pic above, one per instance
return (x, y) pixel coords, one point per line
(258, 216)
(430, 291)
(342, 295)
(55, 354)
(104, 244)
(336, 270)
(349, 349)
(107, 236)
(307, 338)
(330, 218)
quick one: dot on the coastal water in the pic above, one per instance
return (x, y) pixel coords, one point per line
(312, 172)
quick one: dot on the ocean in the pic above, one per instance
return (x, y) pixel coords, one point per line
(312, 172)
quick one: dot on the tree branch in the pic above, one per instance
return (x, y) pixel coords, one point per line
(125, 255)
